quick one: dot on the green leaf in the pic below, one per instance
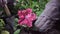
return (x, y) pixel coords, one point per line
(17, 31)
(4, 32)
(1, 24)
(16, 19)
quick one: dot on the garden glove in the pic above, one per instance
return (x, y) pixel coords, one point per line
(49, 16)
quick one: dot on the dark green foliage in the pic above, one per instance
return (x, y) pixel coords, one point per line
(36, 5)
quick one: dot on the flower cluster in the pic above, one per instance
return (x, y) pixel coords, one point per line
(26, 17)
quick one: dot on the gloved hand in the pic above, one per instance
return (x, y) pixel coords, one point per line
(48, 17)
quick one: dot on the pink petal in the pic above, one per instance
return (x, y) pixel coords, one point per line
(29, 10)
(19, 12)
(21, 17)
(33, 16)
(25, 21)
(29, 24)
(24, 12)
(27, 16)
(19, 20)
(21, 23)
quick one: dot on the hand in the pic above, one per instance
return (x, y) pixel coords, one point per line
(48, 17)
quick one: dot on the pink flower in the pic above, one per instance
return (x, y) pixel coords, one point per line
(26, 17)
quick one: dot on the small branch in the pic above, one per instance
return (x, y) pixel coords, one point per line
(7, 10)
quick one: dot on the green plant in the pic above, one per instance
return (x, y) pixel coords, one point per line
(36, 5)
